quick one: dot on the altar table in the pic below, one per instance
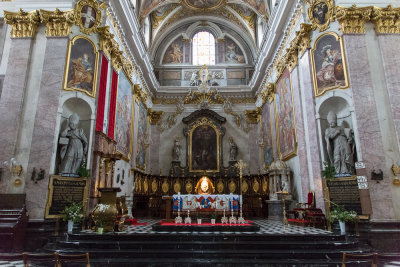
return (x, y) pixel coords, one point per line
(205, 202)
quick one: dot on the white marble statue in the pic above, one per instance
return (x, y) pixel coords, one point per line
(340, 146)
(74, 152)
(177, 150)
(233, 150)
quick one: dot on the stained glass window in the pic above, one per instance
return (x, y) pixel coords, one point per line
(203, 48)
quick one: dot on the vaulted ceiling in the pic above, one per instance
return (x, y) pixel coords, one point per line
(241, 16)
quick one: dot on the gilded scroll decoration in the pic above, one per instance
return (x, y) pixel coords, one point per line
(58, 23)
(24, 24)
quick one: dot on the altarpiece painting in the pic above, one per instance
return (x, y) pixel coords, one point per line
(285, 117)
(266, 130)
(81, 68)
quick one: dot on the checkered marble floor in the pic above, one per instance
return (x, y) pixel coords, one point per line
(267, 227)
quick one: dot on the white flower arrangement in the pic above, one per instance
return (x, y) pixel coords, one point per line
(73, 213)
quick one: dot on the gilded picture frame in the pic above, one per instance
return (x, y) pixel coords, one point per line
(286, 115)
(88, 16)
(125, 154)
(141, 149)
(81, 66)
(325, 59)
(321, 14)
(204, 122)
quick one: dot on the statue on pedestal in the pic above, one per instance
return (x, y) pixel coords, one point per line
(233, 150)
(73, 152)
(176, 152)
(340, 146)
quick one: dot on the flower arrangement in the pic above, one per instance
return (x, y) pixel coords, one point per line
(73, 212)
(339, 213)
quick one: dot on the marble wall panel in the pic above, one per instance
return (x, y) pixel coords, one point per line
(45, 124)
(371, 146)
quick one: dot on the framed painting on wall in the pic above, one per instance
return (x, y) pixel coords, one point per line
(266, 131)
(329, 64)
(285, 117)
(81, 66)
(124, 116)
(141, 146)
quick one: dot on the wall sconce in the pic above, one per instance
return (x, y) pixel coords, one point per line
(13, 166)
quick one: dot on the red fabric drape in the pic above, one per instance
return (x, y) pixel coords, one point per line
(102, 94)
(113, 103)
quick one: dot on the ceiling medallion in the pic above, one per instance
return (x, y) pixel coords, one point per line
(204, 4)
(87, 15)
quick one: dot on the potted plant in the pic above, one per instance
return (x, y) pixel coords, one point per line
(198, 218)
(342, 215)
(213, 217)
(100, 227)
(328, 171)
(72, 214)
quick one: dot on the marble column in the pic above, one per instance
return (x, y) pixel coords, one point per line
(11, 103)
(368, 124)
(154, 150)
(254, 149)
(311, 131)
(44, 138)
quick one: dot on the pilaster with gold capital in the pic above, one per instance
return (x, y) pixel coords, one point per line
(352, 19)
(386, 20)
(58, 23)
(24, 24)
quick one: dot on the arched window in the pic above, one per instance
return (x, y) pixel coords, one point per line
(203, 48)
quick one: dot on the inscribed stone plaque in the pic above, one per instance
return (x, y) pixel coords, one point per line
(63, 192)
(344, 192)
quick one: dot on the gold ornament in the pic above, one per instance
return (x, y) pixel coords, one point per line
(24, 24)
(386, 20)
(58, 23)
(88, 16)
(352, 19)
(321, 14)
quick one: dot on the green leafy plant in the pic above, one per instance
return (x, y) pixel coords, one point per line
(213, 215)
(339, 213)
(328, 171)
(99, 224)
(83, 172)
(73, 212)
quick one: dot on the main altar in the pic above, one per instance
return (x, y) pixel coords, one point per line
(205, 203)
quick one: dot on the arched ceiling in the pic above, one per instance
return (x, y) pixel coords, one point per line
(241, 16)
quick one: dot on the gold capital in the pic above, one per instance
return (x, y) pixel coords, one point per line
(24, 24)
(386, 20)
(155, 116)
(253, 115)
(58, 23)
(352, 19)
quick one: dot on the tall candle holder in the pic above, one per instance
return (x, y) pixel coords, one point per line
(241, 165)
(179, 218)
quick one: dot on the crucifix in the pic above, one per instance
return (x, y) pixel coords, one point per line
(241, 165)
(88, 17)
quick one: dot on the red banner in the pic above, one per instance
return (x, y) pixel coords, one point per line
(102, 94)
(113, 103)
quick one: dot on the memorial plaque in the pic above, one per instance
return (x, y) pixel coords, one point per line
(64, 191)
(344, 192)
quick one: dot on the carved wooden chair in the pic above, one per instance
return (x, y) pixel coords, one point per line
(72, 258)
(359, 258)
(39, 258)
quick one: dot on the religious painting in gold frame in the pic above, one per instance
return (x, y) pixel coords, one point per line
(124, 115)
(87, 16)
(81, 66)
(321, 14)
(204, 147)
(142, 134)
(329, 64)
(266, 133)
(285, 117)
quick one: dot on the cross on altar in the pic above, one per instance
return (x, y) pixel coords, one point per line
(88, 17)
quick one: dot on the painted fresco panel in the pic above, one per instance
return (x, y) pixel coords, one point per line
(285, 119)
(233, 53)
(141, 151)
(174, 53)
(124, 115)
(268, 153)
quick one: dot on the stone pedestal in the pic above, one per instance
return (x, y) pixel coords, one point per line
(275, 209)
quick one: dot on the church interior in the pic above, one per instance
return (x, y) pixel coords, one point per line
(199, 132)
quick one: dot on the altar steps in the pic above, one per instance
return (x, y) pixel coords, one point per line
(208, 249)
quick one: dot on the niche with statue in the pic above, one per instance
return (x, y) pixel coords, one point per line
(337, 135)
(73, 141)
